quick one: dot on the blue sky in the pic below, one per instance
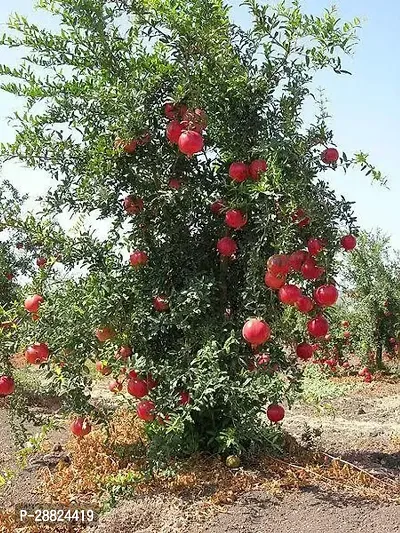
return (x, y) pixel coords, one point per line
(365, 108)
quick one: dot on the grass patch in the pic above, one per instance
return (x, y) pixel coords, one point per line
(318, 388)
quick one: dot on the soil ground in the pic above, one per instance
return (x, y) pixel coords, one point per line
(362, 427)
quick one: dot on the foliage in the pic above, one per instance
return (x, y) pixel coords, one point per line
(105, 77)
(372, 297)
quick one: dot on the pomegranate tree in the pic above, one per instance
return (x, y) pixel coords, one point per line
(232, 230)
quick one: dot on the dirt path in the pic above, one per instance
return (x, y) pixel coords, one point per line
(362, 427)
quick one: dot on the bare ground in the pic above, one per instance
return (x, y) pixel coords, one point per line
(363, 428)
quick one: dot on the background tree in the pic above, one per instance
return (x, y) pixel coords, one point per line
(128, 94)
(372, 296)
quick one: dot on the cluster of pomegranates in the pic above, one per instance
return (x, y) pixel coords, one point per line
(185, 128)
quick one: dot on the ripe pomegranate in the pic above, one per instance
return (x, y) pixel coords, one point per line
(304, 304)
(145, 410)
(275, 413)
(138, 258)
(115, 386)
(41, 262)
(289, 294)
(346, 365)
(256, 168)
(174, 131)
(103, 368)
(80, 427)
(133, 205)
(326, 295)
(217, 207)
(238, 171)
(315, 246)
(137, 388)
(318, 326)
(130, 146)
(151, 382)
(37, 353)
(184, 398)
(346, 334)
(170, 111)
(363, 371)
(132, 374)
(278, 265)
(236, 219)
(124, 352)
(274, 282)
(226, 246)
(190, 143)
(330, 155)
(9, 276)
(310, 269)
(160, 303)
(296, 260)
(104, 334)
(345, 323)
(348, 242)
(304, 351)
(368, 378)
(174, 183)
(300, 218)
(32, 303)
(7, 385)
(255, 331)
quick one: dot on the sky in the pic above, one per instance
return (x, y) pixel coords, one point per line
(365, 107)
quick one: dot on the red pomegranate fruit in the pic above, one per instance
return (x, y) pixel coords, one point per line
(304, 351)
(217, 207)
(326, 295)
(7, 385)
(174, 183)
(41, 262)
(330, 155)
(278, 265)
(32, 303)
(315, 246)
(184, 398)
(124, 352)
(310, 269)
(275, 413)
(296, 260)
(238, 171)
(37, 353)
(160, 303)
(80, 427)
(304, 304)
(104, 334)
(318, 326)
(236, 219)
(289, 294)
(174, 131)
(138, 258)
(133, 205)
(145, 410)
(227, 246)
(274, 282)
(256, 331)
(348, 242)
(137, 388)
(256, 168)
(190, 143)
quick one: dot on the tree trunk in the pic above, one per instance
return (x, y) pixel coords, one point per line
(378, 356)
